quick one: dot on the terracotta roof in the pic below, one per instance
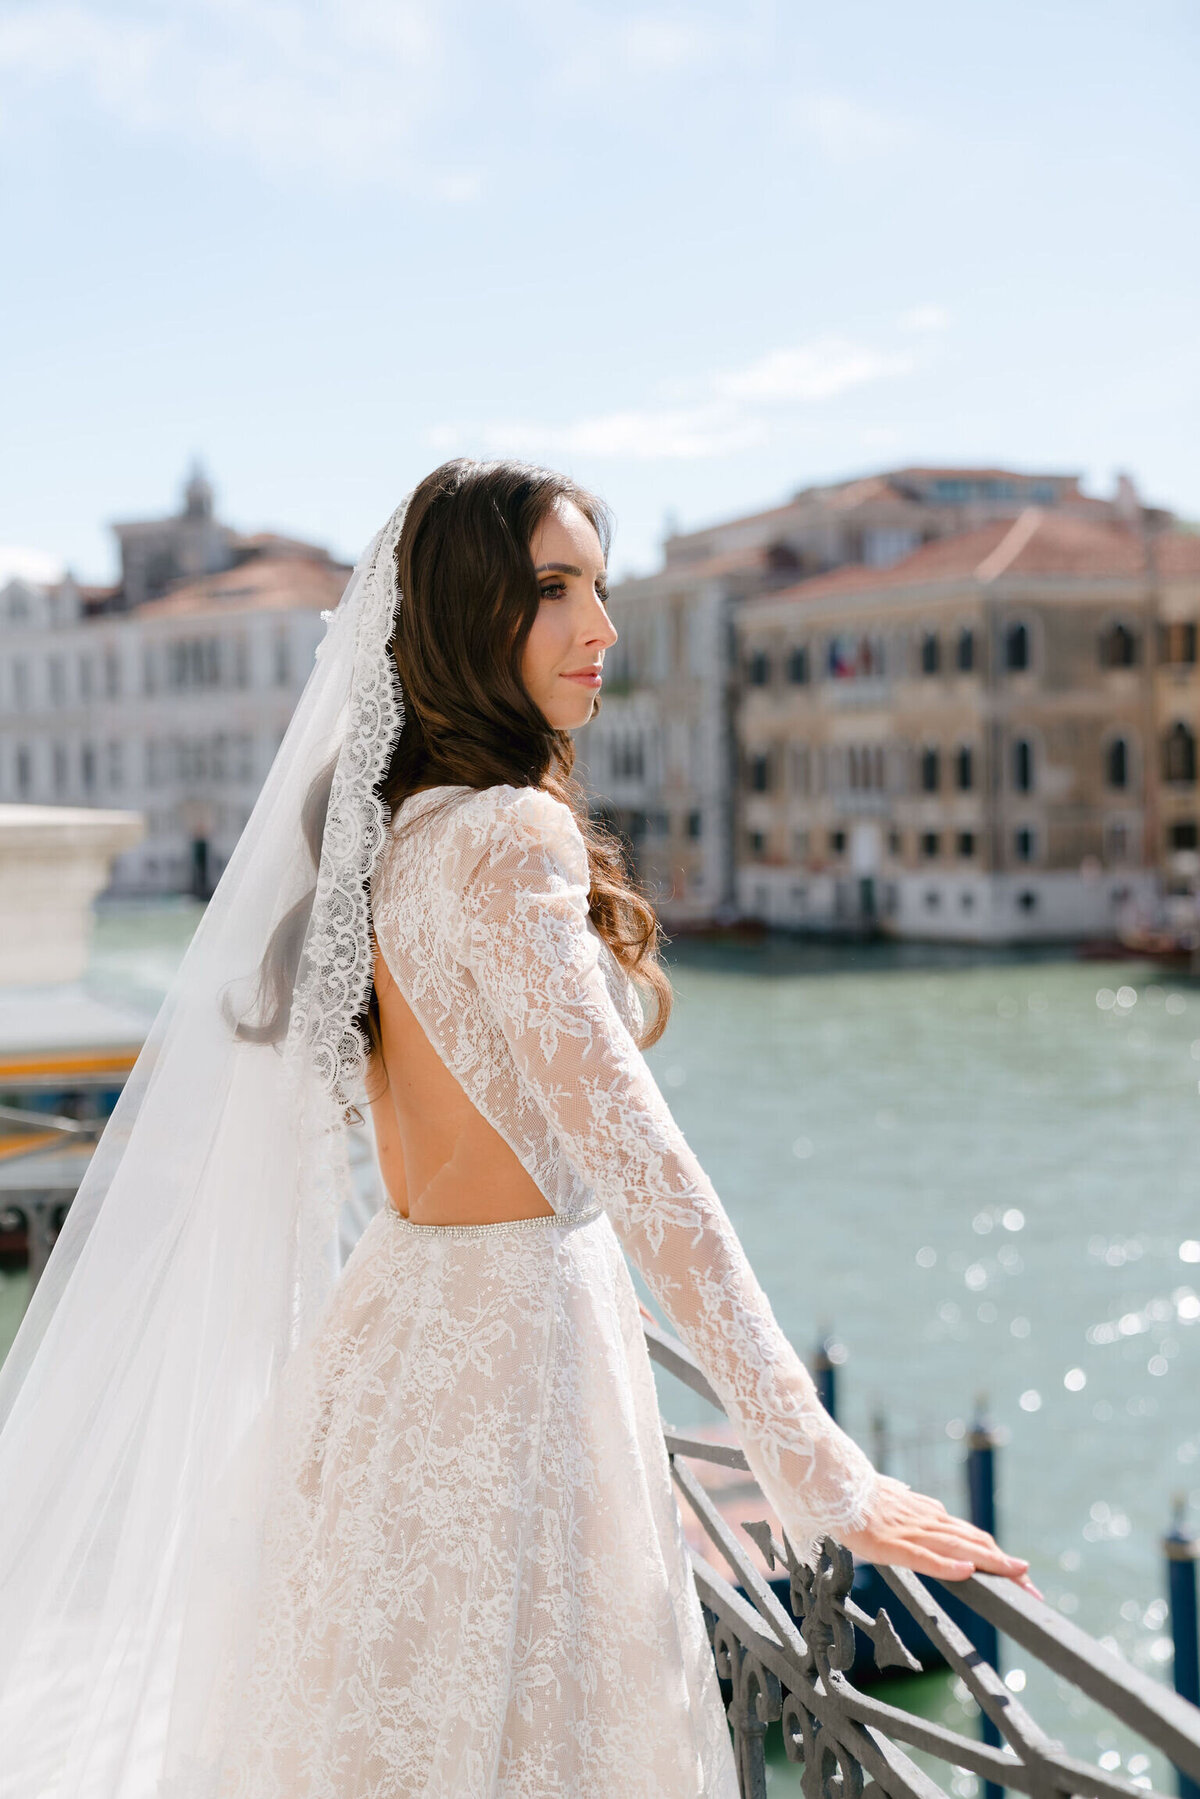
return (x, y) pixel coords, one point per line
(1035, 543)
(268, 583)
(958, 473)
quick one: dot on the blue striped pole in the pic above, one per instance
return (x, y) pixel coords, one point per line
(981, 1501)
(1181, 1550)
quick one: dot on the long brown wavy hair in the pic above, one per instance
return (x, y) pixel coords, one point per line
(469, 596)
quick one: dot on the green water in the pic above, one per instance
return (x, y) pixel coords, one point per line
(984, 1182)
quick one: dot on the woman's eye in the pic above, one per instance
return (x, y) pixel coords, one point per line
(602, 594)
(553, 590)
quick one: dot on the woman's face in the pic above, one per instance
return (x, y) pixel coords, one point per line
(563, 654)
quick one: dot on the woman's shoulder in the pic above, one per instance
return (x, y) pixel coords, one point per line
(512, 824)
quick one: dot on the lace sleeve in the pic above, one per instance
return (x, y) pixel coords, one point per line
(525, 937)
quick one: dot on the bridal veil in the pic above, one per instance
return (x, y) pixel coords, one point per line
(139, 1404)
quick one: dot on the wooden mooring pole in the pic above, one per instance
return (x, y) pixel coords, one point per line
(981, 1502)
(1181, 1550)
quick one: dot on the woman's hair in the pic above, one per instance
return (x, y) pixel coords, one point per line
(468, 598)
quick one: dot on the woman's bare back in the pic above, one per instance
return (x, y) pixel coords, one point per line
(441, 1161)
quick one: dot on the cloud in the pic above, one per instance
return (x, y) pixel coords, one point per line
(925, 319)
(18, 564)
(737, 410)
(817, 371)
(339, 92)
(845, 130)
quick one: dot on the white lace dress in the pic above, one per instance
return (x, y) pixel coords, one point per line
(476, 1582)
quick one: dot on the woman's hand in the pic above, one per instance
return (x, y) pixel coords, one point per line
(910, 1530)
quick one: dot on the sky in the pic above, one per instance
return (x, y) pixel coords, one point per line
(696, 255)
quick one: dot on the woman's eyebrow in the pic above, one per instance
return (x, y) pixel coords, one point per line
(559, 568)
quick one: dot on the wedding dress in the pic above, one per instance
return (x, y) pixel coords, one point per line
(477, 1579)
(278, 1528)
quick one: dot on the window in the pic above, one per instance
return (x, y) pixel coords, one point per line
(1118, 647)
(895, 843)
(837, 843)
(85, 677)
(964, 768)
(799, 845)
(58, 680)
(283, 658)
(966, 843)
(60, 769)
(1016, 648)
(967, 902)
(1022, 765)
(931, 843)
(797, 666)
(1027, 901)
(695, 824)
(759, 669)
(149, 670)
(112, 674)
(1179, 755)
(758, 843)
(20, 683)
(931, 775)
(1116, 841)
(760, 773)
(1024, 844)
(24, 772)
(1177, 641)
(1116, 763)
(933, 899)
(1182, 834)
(965, 656)
(931, 654)
(116, 764)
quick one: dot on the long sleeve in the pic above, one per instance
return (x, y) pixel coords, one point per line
(524, 936)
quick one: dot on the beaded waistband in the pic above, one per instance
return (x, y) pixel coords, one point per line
(545, 1220)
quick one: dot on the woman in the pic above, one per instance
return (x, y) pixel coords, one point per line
(413, 1535)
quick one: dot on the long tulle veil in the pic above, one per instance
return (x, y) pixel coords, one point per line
(142, 1397)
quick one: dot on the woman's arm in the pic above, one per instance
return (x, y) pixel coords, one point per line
(524, 935)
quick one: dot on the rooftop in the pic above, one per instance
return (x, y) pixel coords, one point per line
(280, 583)
(1037, 542)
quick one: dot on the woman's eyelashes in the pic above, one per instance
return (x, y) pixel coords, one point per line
(555, 590)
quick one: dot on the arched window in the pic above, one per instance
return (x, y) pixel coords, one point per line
(964, 768)
(1116, 763)
(759, 669)
(931, 776)
(1022, 765)
(1179, 754)
(1016, 648)
(1118, 647)
(931, 654)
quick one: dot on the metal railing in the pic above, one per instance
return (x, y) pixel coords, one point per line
(792, 1663)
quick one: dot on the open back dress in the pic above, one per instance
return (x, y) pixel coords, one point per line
(476, 1583)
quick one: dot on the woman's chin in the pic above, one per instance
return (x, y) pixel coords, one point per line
(569, 715)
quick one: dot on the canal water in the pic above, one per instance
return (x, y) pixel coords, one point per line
(979, 1175)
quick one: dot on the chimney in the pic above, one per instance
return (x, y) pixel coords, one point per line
(1126, 501)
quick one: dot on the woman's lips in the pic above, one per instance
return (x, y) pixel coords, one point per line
(586, 677)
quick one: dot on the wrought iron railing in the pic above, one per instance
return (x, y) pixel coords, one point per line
(792, 1663)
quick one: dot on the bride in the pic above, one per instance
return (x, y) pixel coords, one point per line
(276, 1531)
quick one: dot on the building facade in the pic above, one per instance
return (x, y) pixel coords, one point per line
(974, 743)
(662, 760)
(168, 693)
